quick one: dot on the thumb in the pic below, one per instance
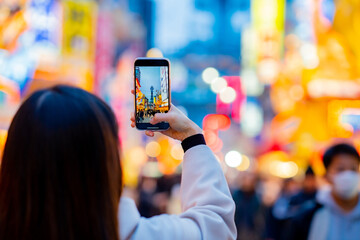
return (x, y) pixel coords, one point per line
(160, 117)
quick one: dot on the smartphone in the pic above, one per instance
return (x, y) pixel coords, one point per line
(152, 91)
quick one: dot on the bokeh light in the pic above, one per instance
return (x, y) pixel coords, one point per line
(245, 163)
(154, 53)
(210, 137)
(209, 74)
(268, 70)
(309, 55)
(137, 155)
(228, 95)
(233, 159)
(216, 122)
(177, 152)
(218, 84)
(153, 149)
(283, 169)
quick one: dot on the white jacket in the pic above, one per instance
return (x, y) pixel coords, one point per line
(208, 208)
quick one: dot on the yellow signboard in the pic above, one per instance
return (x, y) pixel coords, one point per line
(347, 23)
(268, 14)
(78, 43)
(268, 18)
(79, 28)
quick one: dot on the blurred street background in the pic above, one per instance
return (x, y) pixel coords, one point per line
(272, 83)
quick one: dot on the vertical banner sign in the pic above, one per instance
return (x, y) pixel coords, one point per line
(105, 45)
(268, 18)
(78, 45)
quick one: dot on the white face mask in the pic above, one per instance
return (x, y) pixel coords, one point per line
(346, 184)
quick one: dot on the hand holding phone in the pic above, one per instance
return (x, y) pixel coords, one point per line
(180, 126)
(152, 92)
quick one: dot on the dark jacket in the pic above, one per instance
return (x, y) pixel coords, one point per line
(249, 215)
(299, 226)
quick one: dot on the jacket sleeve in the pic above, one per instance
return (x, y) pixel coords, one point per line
(208, 208)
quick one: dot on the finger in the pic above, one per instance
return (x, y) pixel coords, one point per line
(149, 133)
(133, 124)
(132, 116)
(160, 117)
(133, 92)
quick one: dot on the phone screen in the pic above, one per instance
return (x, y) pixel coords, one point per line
(152, 94)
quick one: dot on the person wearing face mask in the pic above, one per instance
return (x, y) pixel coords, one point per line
(336, 213)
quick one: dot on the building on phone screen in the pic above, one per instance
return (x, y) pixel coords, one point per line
(164, 87)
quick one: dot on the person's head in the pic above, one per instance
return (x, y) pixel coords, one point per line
(249, 181)
(60, 175)
(290, 187)
(309, 183)
(342, 166)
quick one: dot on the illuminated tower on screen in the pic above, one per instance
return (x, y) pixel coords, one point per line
(152, 96)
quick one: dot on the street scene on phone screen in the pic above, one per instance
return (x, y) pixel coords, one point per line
(151, 92)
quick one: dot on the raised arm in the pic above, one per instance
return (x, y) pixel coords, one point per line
(208, 208)
(205, 195)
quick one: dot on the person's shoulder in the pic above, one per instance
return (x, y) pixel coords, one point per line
(304, 216)
(307, 211)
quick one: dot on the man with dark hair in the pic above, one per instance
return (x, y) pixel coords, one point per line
(339, 149)
(336, 214)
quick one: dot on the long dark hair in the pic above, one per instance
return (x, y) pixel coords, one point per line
(60, 175)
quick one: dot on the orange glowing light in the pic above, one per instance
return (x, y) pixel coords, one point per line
(177, 152)
(283, 169)
(167, 161)
(3, 136)
(317, 165)
(245, 164)
(284, 126)
(279, 164)
(210, 137)
(11, 89)
(335, 110)
(154, 53)
(217, 146)
(275, 155)
(296, 92)
(153, 149)
(216, 122)
(212, 123)
(133, 161)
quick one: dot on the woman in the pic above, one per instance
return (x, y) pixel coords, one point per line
(61, 177)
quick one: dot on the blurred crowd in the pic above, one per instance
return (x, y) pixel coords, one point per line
(276, 216)
(255, 217)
